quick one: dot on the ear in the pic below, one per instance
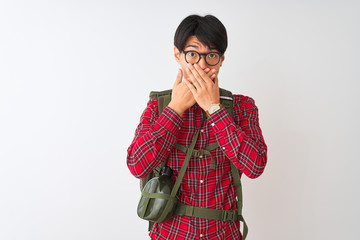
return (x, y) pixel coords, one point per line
(222, 59)
(177, 55)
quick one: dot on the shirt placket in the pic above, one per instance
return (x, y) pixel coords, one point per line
(200, 181)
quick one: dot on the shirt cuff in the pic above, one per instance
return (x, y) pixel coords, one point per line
(224, 127)
(220, 119)
(170, 120)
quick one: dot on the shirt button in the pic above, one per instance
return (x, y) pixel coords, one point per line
(201, 235)
(200, 156)
(202, 130)
(168, 149)
(213, 124)
(223, 148)
(201, 181)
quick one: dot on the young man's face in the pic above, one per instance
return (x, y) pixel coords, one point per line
(194, 44)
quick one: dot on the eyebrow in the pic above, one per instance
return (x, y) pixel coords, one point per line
(194, 46)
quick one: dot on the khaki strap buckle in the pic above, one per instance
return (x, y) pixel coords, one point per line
(229, 216)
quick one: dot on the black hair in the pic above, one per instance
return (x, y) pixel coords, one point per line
(208, 29)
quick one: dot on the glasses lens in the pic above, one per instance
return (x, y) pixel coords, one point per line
(192, 57)
(212, 58)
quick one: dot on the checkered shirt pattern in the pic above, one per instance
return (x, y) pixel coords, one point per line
(240, 141)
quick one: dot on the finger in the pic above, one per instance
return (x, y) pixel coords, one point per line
(194, 81)
(216, 81)
(208, 72)
(202, 73)
(212, 75)
(178, 79)
(191, 87)
(191, 78)
(195, 73)
(179, 76)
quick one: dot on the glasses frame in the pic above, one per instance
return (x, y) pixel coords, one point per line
(203, 54)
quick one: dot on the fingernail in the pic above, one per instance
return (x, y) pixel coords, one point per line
(213, 70)
(213, 75)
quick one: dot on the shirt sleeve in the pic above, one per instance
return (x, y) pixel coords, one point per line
(241, 139)
(154, 138)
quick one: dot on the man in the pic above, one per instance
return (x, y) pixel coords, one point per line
(200, 44)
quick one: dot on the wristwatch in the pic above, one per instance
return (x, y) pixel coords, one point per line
(213, 108)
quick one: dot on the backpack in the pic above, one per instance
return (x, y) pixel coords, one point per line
(226, 100)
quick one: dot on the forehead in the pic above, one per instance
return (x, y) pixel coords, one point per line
(194, 42)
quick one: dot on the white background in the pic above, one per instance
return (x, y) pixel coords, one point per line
(75, 77)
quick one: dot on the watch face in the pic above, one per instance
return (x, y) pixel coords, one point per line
(213, 108)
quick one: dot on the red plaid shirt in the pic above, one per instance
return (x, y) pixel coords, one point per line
(240, 141)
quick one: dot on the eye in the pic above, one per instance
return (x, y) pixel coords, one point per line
(212, 55)
(192, 54)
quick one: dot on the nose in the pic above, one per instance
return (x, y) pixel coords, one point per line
(202, 62)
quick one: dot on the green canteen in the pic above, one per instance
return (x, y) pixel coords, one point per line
(155, 203)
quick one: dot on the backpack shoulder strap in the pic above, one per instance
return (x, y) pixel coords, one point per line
(163, 98)
(238, 187)
(226, 99)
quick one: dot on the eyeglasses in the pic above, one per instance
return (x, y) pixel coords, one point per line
(211, 58)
